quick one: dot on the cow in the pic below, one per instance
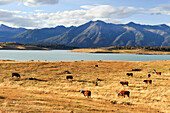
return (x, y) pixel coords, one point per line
(124, 83)
(16, 75)
(149, 75)
(148, 81)
(99, 79)
(158, 73)
(86, 93)
(123, 93)
(129, 74)
(136, 69)
(69, 77)
(96, 65)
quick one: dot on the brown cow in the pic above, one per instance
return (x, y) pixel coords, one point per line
(148, 81)
(129, 74)
(158, 73)
(86, 93)
(123, 93)
(124, 83)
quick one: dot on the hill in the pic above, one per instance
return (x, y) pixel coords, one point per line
(28, 46)
(6, 32)
(37, 35)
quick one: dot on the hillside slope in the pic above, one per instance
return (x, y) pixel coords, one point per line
(101, 34)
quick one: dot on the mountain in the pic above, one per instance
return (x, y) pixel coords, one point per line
(101, 34)
(6, 32)
(98, 34)
(37, 35)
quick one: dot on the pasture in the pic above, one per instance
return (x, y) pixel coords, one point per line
(43, 86)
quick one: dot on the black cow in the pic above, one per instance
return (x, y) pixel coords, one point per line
(129, 74)
(96, 65)
(69, 77)
(149, 75)
(16, 75)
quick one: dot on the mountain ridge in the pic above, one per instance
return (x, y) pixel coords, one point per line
(98, 34)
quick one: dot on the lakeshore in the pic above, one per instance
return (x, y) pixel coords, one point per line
(136, 51)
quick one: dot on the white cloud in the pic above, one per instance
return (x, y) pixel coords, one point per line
(4, 2)
(107, 13)
(12, 18)
(30, 2)
(161, 10)
(39, 2)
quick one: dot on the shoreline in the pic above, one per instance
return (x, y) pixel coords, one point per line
(136, 51)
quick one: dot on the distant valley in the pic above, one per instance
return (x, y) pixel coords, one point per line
(92, 34)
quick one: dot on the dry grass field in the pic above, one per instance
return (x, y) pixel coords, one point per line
(106, 50)
(49, 91)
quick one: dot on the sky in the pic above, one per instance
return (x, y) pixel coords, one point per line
(51, 13)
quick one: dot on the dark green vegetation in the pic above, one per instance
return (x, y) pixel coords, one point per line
(97, 34)
(28, 46)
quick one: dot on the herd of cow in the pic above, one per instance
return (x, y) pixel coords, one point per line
(87, 93)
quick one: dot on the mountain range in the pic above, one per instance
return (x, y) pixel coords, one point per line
(92, 34)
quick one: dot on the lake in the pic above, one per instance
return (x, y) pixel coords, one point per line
(65, 55)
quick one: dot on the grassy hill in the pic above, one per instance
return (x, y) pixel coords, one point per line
(49, 91)
(29, 46)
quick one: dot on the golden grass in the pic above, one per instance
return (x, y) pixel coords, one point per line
(51, 92)
(105, 50)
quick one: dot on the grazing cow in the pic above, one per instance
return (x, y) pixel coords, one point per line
(136, 69)
(16, 75)
(148, 81)
(96, 66)
(124, 83)
(86, 93)
(123, 93)
(129, 74)
(99, 79)
(149, 75)
(158, 73)
(69, 77)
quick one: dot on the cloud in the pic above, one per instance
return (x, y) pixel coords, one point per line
(12, 18)
(39, 2)
(30, 2)
(4, 2)
(107, 13)
(161, 10)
